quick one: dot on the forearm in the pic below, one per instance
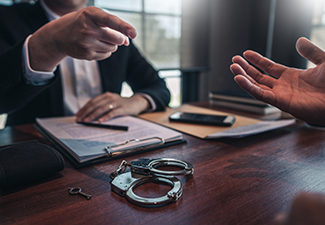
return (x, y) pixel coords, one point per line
(142, 102)
(44, 54)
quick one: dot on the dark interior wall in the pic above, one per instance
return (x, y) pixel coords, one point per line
(236, 26)
(258, 30)
(293, 20)
(232, 28)
(194, 47)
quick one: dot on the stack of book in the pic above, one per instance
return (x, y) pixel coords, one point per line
(241, 101)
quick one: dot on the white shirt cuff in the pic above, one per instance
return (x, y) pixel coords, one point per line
(33, 77)
(151, 101)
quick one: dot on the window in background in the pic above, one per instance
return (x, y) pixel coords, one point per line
(6, 2)
(159, 30)
(318, 30)
(173, 82)
(124, 5)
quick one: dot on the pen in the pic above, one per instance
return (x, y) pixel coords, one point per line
(107, 126)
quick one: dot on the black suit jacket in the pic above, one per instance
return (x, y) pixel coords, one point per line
(24, 102)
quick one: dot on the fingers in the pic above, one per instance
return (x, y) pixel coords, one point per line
(236, 69)
(310, 51)
(117, 111)
(110, 105)
(99, 40)
(126, 106)
(103, 18)
(105, 112)
(111, 36)
(96, 107)
(100, 51)
(251, 80)
(242, 67)
(245, 84)
(89, 113)
(103, 107)
(265, 64)
(258, 91)
(100, 111)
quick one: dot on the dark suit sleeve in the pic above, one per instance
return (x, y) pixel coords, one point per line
(143, 78)
(14, 92)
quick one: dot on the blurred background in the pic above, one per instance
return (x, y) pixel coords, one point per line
(191, 42)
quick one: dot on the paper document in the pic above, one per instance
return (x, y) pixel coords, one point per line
(243, 126)
(86, 143)
(252, 129)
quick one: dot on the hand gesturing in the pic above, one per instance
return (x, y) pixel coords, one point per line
(299, 92)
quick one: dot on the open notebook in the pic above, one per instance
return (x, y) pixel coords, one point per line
(85, 145)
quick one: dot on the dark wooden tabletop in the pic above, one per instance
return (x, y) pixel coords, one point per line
(236, 181)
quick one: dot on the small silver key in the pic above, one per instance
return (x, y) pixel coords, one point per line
(77, 190)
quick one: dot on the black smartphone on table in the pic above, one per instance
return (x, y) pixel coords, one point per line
(204, 119)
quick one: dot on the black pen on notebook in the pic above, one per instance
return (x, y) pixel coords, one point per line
(107, 126)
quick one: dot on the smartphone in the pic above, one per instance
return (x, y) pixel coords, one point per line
(205, 119)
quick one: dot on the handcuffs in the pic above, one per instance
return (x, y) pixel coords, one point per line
(144, 171)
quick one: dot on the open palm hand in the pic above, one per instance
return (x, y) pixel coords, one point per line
(299, 92)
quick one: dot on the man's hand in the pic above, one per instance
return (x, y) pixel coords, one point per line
(110, 105)
(89, 33)
(299, 92)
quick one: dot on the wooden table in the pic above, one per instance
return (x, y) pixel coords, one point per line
(236, 181)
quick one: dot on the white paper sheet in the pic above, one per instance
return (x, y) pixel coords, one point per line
(85, 142)
(256, 128)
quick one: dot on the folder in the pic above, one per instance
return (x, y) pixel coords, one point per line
(243, 126)
(86, 145)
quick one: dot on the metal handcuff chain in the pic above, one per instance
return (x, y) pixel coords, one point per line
(144, 171)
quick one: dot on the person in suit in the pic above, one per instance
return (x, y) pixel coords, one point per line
(59, 57)
(296, 91)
